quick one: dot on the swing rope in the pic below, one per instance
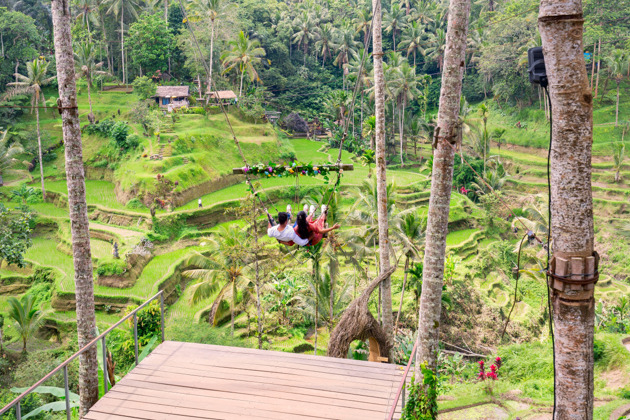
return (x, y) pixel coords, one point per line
(223, 109)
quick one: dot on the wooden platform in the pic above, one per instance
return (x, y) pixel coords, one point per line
(196, 381)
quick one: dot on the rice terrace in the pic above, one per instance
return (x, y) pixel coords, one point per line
(238, 209)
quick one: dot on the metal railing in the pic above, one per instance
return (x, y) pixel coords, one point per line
(403, 383)
(103, 337)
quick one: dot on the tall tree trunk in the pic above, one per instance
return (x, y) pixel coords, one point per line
(166, 12)
(240, 92)
(617, 108)
(599, 62)
(79, 224)
(560, 25)
(211, 55)
(402, 294)
(401, 124)
(381, 174)
(39, 145)
(232, 306)
(592, 64)
(122, 43)
(89, 88)
(437, 223)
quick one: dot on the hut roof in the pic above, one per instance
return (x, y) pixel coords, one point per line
(172, 91)
(222, 94)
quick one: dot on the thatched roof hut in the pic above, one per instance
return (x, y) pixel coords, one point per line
(172, 96)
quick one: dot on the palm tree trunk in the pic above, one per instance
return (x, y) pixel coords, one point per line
(592, 65)
(617, 108)
(599, 62)
(79, 223)
(232, 306)
(122, 43)
(166, 12)
(39, 145)
(443, 154)
(240, 92)
(381, 174)
(401, 121)
(211, 54)
(315, 274)
(89, 83)
(402, 294)
(571, 206)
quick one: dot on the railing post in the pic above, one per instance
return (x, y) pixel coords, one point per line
(18, 411)
(162, 313)
(402, 405)
(105, 370)
(67, 391)
(135, 335)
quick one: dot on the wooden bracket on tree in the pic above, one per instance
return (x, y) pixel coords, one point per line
(575, 274)
(332, 168)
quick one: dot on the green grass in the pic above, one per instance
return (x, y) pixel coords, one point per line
(459, 236)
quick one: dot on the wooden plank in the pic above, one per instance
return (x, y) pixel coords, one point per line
(264, 365)
(210, 407)
(263, 407)
(364, 369)
(305, 358)
(147, 411)
(261, 395)
(332, 168)
(237, 386)
(298, 384)
(232, 369)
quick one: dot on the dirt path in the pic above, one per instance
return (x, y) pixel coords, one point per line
(626, 343)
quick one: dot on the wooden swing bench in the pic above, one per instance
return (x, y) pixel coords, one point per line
(331, 168)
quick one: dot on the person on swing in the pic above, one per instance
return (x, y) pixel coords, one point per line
(284, 233)
(313, 230)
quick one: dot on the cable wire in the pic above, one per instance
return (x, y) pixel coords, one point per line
(553, 339)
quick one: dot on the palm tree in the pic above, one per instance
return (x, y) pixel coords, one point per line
(362, 23)
(119, 7)
(77, 205)
(436, 47)
(495, 177)
(324, 43)
(326, 294)
(8, 152)
(367, 159)
(244, 54)
(213, 9)
(365, 209)
(394, 20)
(413, 38)
(369, 129)
(408, 234)
(404, 90)
(32, 84)
(306, 33)
(84, 58)
(225, 263)
(87, 10)
(619, 154)
(617, 64)
(346, 46)
(27, 318)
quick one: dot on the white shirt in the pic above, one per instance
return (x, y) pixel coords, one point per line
(286, 235)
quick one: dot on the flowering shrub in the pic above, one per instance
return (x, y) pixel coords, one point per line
(274, 170)
(490, 376)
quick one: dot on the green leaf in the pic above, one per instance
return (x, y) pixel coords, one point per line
(53, 406)
(52, 390)
(147, 348)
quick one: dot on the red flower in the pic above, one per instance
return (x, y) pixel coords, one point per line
(498, 362)
(491, 375)
(493, 368)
